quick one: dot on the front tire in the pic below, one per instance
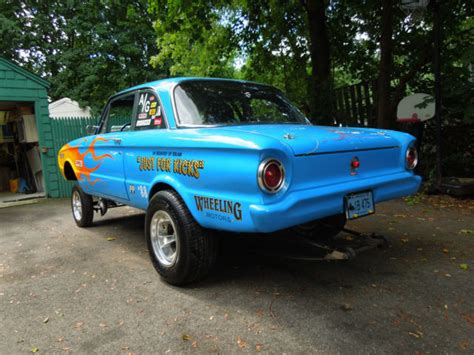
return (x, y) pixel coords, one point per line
(180, 249)
(82, 207)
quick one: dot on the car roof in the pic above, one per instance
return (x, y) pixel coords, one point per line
(169, 82)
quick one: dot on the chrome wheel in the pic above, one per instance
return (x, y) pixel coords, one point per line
(76, 205)
(164, 238)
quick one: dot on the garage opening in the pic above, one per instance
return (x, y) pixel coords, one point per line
(21, 176)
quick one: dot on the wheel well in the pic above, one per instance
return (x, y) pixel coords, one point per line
(159, 187)
(69, 172)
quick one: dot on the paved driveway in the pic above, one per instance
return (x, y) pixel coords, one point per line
(94, 290)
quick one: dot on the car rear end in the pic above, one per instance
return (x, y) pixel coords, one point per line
(339, 178)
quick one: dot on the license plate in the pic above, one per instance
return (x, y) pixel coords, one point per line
(359, 204)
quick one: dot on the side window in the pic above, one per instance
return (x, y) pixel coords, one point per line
(149, 112)
(120, 112)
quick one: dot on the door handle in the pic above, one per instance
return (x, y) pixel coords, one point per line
(117, 140)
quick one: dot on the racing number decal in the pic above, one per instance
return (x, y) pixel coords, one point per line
(143, 191)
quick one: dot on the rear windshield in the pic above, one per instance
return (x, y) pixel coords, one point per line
(212, 102)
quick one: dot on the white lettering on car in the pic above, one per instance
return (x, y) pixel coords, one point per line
(143, 191)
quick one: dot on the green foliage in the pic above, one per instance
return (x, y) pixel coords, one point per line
(412, 200)
(262, 41)
(192, 39)
(10, 29)
(269, 41)
(274, 39)
(87, 49)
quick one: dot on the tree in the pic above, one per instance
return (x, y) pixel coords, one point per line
(384, 117)
(320, 58)
(305, 47)
(274, 43)
(9, 30)
(87, 49)
(272, 38)
(192, 40)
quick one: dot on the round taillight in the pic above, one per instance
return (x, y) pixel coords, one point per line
(411, 158)
(271, 175)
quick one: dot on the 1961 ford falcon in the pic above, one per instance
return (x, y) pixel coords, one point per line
(212, 154)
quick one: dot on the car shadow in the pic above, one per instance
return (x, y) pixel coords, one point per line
(253, 257)
(129, 223)
(243, 256)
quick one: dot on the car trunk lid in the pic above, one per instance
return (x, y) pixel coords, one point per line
(313, 140)
(323, 155)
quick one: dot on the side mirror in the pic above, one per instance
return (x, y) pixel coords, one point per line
(91, 129)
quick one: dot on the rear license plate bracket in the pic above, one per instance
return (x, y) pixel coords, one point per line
(359, 204)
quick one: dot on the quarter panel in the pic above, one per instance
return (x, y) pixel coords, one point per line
(217, 181)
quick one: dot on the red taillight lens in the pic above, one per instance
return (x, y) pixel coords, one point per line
(271, 175)
(355, 163)
(411, 158)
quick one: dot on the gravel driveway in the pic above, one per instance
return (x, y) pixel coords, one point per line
(94, 290)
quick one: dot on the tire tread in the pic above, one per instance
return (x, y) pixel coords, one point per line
(199, 243)
(87, 208)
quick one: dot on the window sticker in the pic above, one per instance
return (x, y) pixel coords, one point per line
(149, 111)
(144, 103)
(141, 123)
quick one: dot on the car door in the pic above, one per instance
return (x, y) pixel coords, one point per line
(107, 147)
(142, 163)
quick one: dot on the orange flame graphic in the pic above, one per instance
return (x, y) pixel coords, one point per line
(76, 159)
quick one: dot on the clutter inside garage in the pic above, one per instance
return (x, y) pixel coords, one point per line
(21, 175)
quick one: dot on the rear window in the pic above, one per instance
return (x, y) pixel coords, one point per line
(213, 102)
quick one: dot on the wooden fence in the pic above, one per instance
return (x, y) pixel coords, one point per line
(355, 105)
(64, 130)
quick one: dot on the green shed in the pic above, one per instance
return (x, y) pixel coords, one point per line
(27, 158)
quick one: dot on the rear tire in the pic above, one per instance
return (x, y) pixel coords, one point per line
(181, 250)
(82, 207)
(324, 229)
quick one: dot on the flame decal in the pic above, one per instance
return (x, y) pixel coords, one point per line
(77, 159)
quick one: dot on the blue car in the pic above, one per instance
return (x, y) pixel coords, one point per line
(202, 154)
